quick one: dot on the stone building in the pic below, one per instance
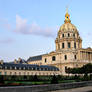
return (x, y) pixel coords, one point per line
(69, 51)
(20, 68)
(68, 54)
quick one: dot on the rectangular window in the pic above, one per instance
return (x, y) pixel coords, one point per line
(75, 57)
(5, 73)
(0, 73)
(62, 35)
(10, 73)
(69, 45)
(62, 45)
(53, 58)
(73, 35)
(65, 57)
(45, 60)
(75, 45)
(19, 73)
(27, 73)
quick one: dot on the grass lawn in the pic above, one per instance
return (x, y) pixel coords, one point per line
(27, 82)
(66, 81)
(34, 83)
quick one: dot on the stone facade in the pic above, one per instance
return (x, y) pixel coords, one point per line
(27, 69)
(69, 51)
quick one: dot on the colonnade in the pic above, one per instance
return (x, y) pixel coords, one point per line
(85, 55)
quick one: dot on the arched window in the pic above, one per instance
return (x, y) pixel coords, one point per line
(75, 45)
(65, 57)
(45, 60)
(75, 57)
(63, 45)
(53, 58)
(73, 34)
(62, 35)
(65, 67)
(68, 35)
(69, 45)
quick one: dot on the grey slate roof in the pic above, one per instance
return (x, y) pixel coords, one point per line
(11, 66)
(35, 58)
(22, 61)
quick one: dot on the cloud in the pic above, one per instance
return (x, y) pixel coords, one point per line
(33, 29)
(6, 41)
(5, 24)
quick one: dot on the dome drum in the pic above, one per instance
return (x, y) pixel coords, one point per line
(68, 36)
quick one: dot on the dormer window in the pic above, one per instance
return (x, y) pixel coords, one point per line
(15, 68)
(24, 68)
(10, 67)
(20, 68)
(5, 67)
(0, 67)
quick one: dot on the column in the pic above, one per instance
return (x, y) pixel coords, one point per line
(87, 55)
(80, 55)
(90, 56)
(84, 56)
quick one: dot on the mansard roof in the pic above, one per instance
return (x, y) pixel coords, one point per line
(35, 58)
(12, 66)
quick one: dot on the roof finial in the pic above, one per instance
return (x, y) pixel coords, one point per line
(67, 16)
(67, 9)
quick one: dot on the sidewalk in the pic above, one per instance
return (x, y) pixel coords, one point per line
(82, 89)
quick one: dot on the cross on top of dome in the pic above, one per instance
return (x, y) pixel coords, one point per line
(67, 17)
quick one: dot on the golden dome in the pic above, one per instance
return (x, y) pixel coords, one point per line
(67, 26)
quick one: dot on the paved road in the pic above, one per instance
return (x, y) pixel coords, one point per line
(82, 89)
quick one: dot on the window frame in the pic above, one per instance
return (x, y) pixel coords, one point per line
(53, 58)
(69, 45)
(68, 34)
(63, 45)
(63, 35)
(75, 57)
(65, 57)
(75, 45)
(45, 60)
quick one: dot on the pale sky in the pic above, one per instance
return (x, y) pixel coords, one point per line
(29, 27)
